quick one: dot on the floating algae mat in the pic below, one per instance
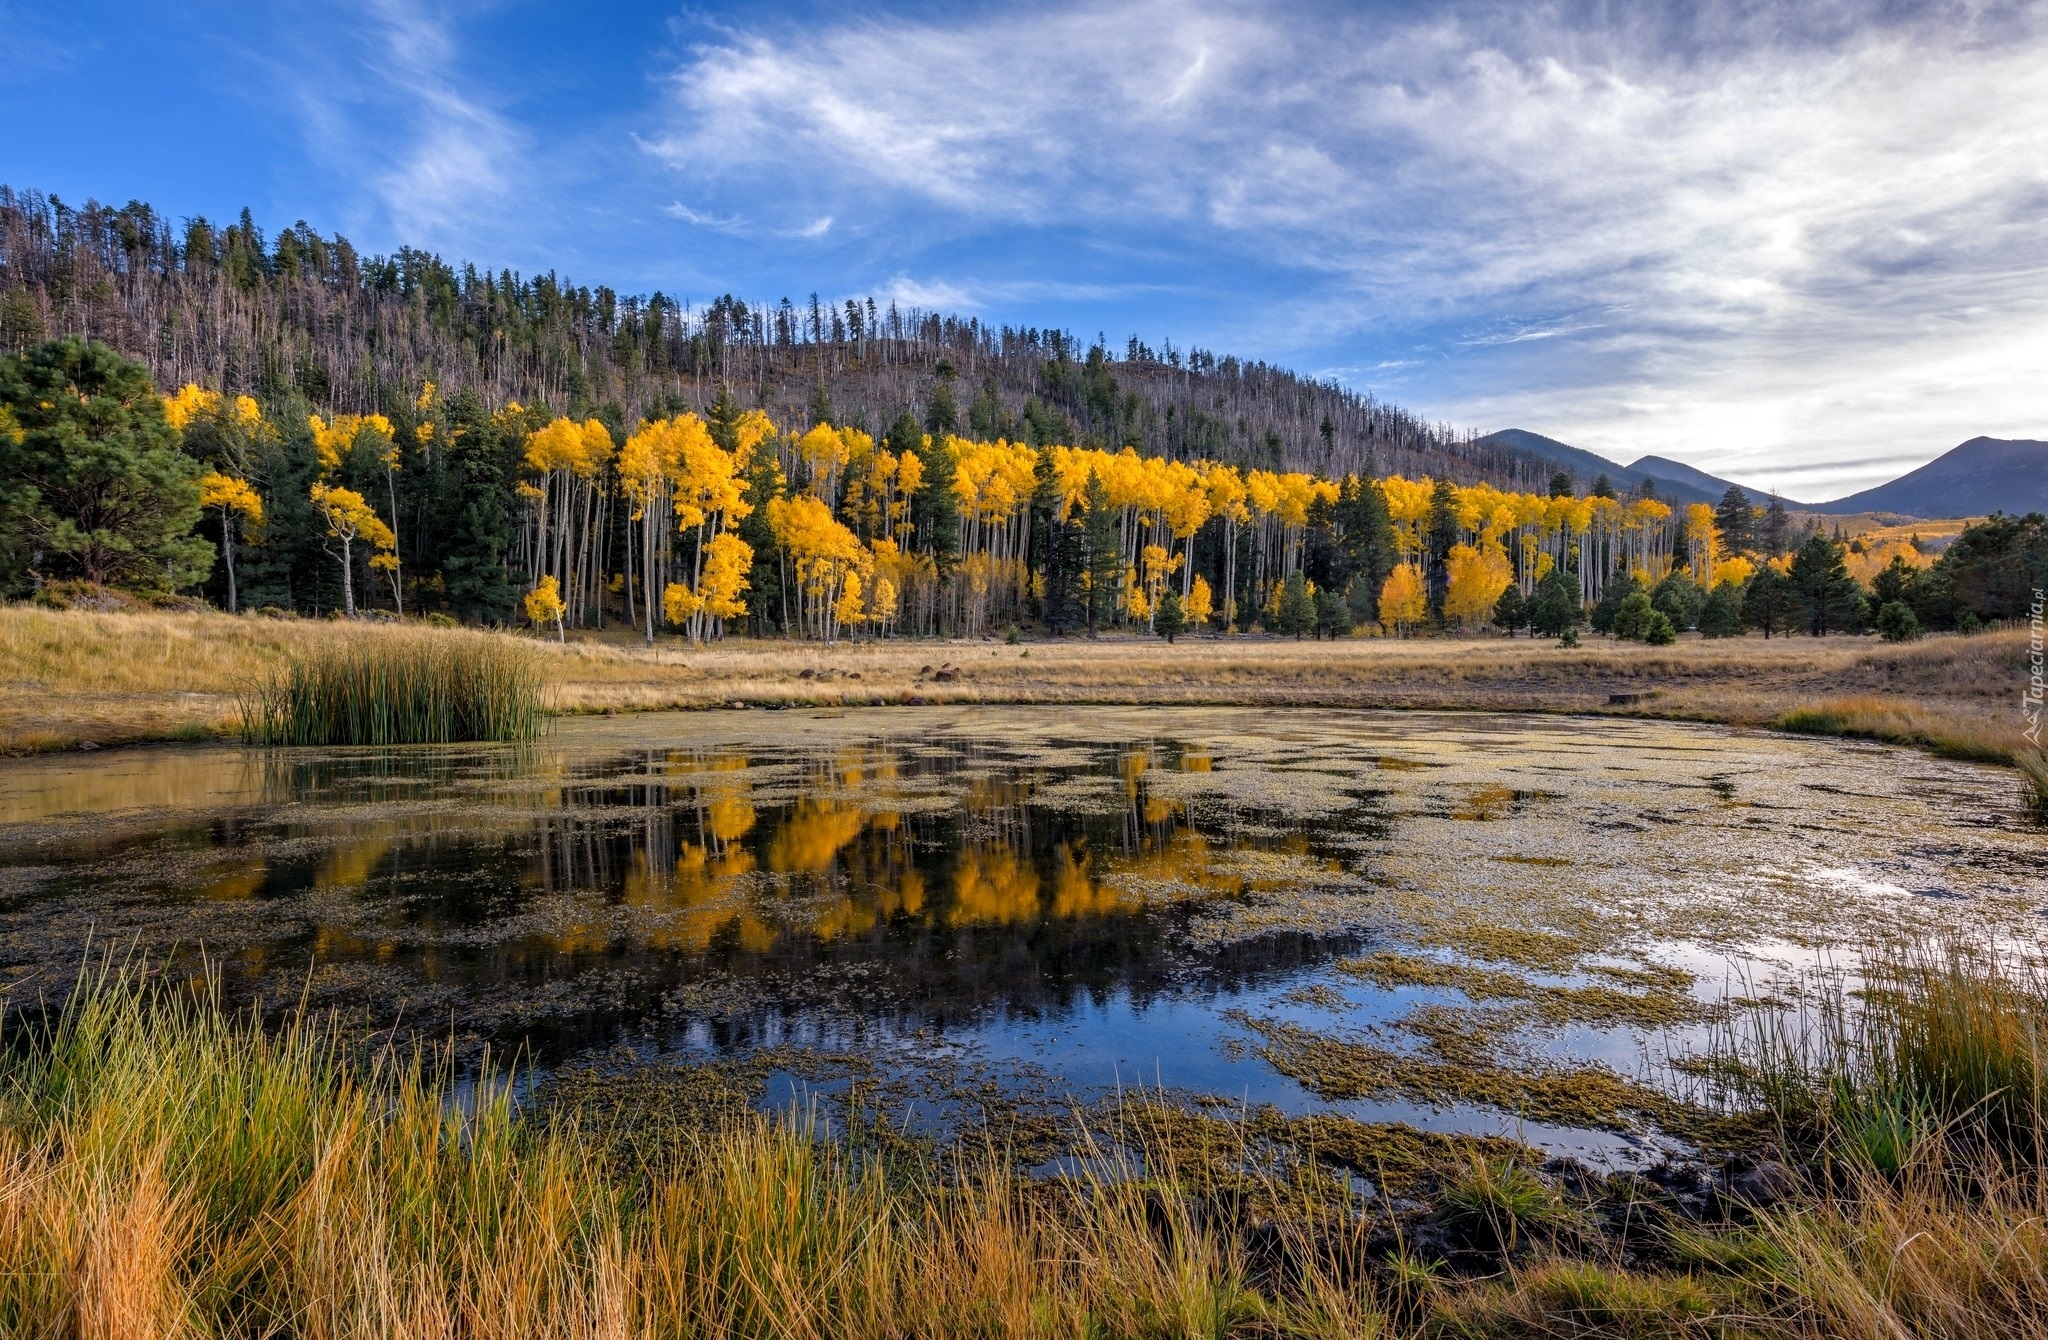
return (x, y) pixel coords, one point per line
(1470, 924)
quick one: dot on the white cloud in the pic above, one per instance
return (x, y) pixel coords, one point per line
(460, 155)
(1828, 244)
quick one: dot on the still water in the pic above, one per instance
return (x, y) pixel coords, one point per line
(1044, 902)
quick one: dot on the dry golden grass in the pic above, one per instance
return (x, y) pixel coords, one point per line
(67, 677)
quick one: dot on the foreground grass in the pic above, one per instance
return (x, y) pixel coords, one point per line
(169, 1170)
(68, 677)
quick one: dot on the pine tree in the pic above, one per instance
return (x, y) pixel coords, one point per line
(1832, 599)
(1442, 536)
(1368, 543)
(1769, 602)
(91, 474)
(1169, 620)
(1775, 537)
(1102, 552)
(1057, 544)
(1556, 608)
(1735, 519)
(1297, 612)
(1510, 611)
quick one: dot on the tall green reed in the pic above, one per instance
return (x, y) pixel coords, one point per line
(438, 689)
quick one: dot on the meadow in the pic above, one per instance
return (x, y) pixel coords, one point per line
(69, 678)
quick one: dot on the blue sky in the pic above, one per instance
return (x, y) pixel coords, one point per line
(1805, 245)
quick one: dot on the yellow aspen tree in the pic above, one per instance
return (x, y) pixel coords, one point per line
(848, 611)
(349, 518)
(1403, 602)
(235, 499)
(1477, 578)
(544, 606)
(1199, 603)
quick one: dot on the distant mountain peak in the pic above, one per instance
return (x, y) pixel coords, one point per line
(1973, 478)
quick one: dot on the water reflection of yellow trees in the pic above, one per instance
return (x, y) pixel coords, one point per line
(810, 837)
(697, 893)
(993, 885)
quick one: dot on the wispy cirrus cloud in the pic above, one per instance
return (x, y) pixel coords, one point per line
(1809, 236)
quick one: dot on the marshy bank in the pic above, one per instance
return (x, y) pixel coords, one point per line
(68, 677)
(169, 1168)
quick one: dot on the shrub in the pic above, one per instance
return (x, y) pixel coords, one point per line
(1658, 629)
(1896, 622)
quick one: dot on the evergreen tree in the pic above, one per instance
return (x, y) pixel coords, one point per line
(1769, 602)
(1603, 487)
(934, 521)
(1775, 536)
(1333, 615)
(940, 414)
(1366, 537)
(92, 480)
(1556, 607)
(1561, 485)
(1735, 519)
(1102, 553)
(1990, 571)
(1297, 612)
(1896, 622)
(1658, 630)
(1679, 599)
(1632, 619)
(475, 515)
(1721, 613)
(1441, 536)
(1057, 546)
(1832, 599)
(1169, 620)
(1894, 585)
(1322, 558)
(1618, 589)
(1510, 612)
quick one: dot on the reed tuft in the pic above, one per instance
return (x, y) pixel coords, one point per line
(441, 688)
(2033, 766)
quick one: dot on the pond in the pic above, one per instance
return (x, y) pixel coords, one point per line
(1469, 923)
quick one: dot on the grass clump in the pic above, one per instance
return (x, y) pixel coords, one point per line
(442, 688)
(2033, 766)
(1499, 1203)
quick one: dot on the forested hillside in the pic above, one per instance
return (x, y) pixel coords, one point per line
(296, 428)
(298, 314)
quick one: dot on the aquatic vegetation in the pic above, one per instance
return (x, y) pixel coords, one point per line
(1589, 1097)
(1663, 1001)
(443, 689)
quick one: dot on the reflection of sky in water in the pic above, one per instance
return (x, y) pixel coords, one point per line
(1089, 893)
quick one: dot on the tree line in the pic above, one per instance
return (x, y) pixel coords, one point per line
(726, 521)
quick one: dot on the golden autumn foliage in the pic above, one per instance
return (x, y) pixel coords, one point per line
(1402, 601)
(544, 605)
